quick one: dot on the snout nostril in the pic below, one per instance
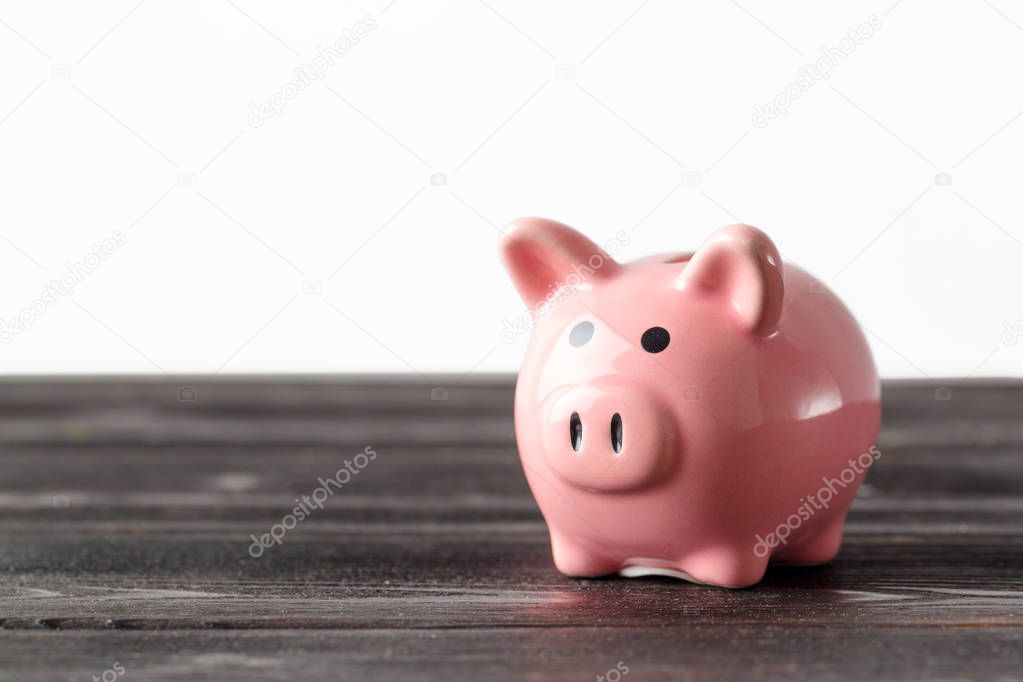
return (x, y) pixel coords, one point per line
(575, 431)
(616, 432)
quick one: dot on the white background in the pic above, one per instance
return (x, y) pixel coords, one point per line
(134, 117)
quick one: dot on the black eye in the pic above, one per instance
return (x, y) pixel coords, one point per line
(581, 334)
(655, 339)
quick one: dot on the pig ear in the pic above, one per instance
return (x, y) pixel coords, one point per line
(542, 254)
(740, 264)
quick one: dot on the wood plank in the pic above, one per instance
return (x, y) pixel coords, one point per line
(409, 470)
(685, 652)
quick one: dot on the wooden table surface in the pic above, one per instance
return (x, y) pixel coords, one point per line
(128, 506)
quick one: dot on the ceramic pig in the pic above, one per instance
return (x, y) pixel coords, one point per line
(695, 415)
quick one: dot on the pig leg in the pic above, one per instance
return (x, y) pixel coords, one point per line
(578, 558)
(820, 548)
(725, 565)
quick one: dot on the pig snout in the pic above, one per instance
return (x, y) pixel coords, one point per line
(607, 440)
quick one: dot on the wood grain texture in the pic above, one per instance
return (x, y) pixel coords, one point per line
(126, 514)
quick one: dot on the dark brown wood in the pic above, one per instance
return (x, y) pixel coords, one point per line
(126, 510)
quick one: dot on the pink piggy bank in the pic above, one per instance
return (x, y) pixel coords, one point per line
(696, 415)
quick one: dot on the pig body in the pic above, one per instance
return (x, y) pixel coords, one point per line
(694, 415)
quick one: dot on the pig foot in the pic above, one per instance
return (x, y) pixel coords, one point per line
(579, 560)
(818, 549)
(725, 566)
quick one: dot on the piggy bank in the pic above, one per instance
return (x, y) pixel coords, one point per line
(695, 415)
